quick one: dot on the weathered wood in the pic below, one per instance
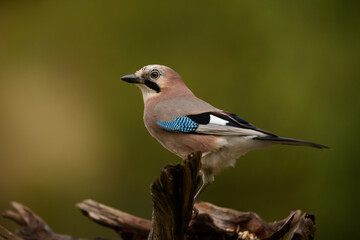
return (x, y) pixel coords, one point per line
(211, 221)
(305, 229)
(231, 223)
(126, 225)
(7, 235)
(172, 196)
(32, 226)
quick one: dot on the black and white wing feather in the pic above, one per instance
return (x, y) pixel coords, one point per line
(227, 124)
(214, 123)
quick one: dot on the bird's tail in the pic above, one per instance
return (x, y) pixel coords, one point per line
(290, 141)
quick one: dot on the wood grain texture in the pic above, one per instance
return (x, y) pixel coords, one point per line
(173, 216)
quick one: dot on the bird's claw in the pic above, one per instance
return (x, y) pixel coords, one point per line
(195, 213)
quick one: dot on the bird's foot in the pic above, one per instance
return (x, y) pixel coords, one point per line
(195, 213)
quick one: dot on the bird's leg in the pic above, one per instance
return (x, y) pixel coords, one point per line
(195, 211)
(207, 178)
(202, 188)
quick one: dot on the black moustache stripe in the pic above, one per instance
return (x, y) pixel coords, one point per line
(152, 85)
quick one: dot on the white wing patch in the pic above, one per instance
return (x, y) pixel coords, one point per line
(217, 120)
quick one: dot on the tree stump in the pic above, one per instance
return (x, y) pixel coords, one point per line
(172, 195)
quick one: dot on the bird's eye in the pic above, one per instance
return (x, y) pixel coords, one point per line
(155, 74)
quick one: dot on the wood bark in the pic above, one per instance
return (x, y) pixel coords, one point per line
(173, 216)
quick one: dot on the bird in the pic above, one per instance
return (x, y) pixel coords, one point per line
(184, 124)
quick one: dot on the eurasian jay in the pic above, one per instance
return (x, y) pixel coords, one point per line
(183, 123)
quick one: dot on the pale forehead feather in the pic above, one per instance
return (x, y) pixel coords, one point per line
(149, 68)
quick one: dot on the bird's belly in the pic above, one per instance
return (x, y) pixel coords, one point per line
(183, 144)
(219, 152)
(230, 148)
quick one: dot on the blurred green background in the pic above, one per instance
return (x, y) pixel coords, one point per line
(70, 129)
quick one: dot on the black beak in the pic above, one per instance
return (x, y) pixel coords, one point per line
(131, 78)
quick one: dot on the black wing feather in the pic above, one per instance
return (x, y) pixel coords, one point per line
(233, 120)
(245, 124)
(202, 118)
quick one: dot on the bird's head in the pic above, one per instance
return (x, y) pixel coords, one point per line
(154, 80)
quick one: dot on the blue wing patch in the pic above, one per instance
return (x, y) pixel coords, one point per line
(181, 124)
